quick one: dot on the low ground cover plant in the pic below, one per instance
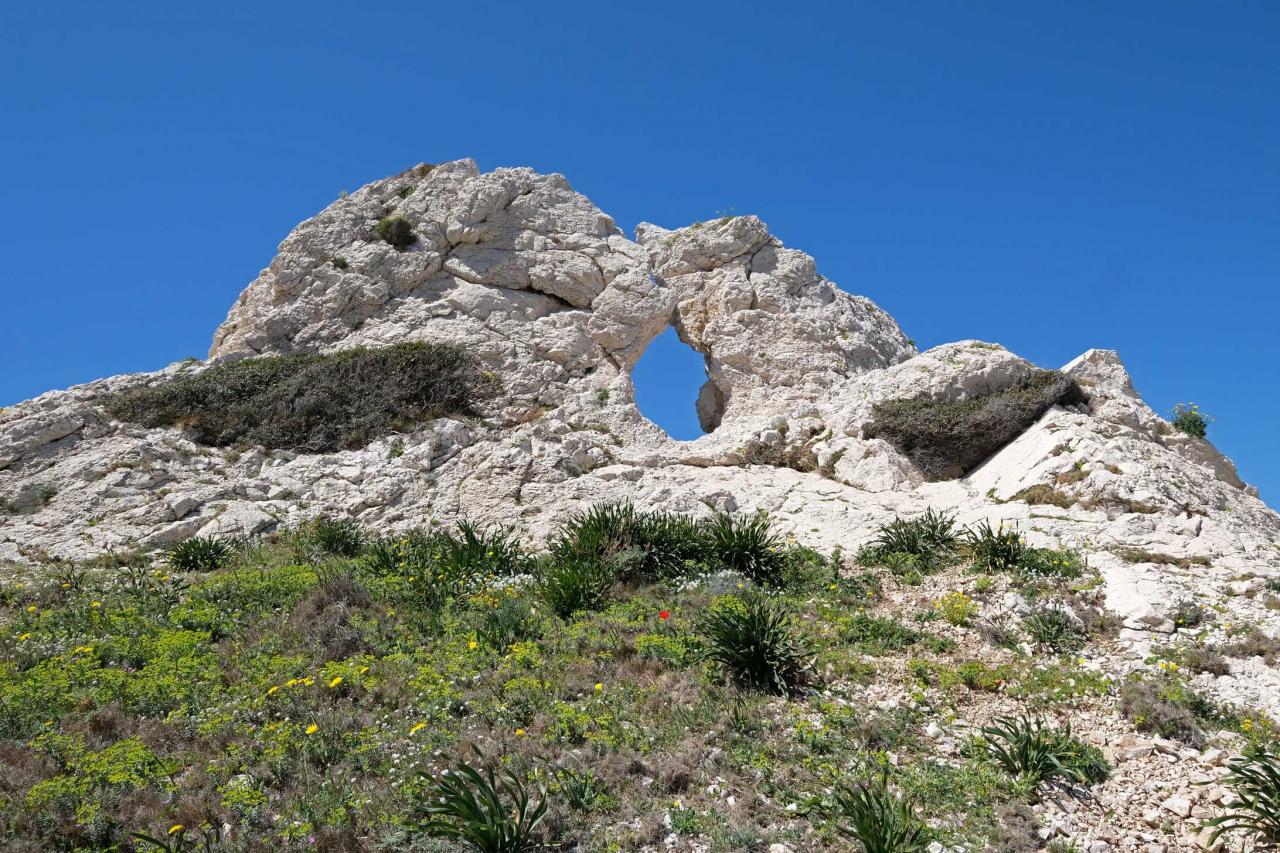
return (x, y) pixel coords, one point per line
(312, 402)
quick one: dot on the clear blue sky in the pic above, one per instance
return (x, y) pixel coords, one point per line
(1050, 176)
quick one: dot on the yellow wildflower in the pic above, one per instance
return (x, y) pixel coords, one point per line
(336, 681)
(272, 689)
(363, 670)
(599, 687)
(177, 827)
(96, 604)
(472, 644)
(519, 732)
(312, 729)
(31, 609)
(417, 728)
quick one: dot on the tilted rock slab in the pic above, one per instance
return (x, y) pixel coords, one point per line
(548, 293)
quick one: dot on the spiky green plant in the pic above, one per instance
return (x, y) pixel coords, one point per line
(878, 820)
(756, 644)
(472, 552)
(930, 539)
(1033, 753)
(994, 549)
(199, 554)
(340, 537)
(746, 546)
(397, 231)
(1054, 629)
(490, 812)
(1254, 779)
(574, 584)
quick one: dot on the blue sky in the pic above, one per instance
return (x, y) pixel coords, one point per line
(1049, 176)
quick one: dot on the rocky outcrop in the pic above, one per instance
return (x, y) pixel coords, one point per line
(558, 305)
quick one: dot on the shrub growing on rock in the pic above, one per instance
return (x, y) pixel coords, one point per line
(311, 402)
(397, 231)
(945, 439)
(1188, 420)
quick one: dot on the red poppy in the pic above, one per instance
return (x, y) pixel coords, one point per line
(666, 614)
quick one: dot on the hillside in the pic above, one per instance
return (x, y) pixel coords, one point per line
(408, 505)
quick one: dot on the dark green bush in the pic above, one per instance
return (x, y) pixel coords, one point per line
(945, 439)
(746, 546)
(572, 585)
(1055, 630)
(199, 554)
(641, 546)
(1187, 419)
(754, 641)
(340, 537)
(310, 402)
(396, 230)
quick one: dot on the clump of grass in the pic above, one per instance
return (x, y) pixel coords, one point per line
(486, 811)
(199, 554)
(1254, 779)
(1254, 643)
(642, 547)
(1034, 754)
(945, 439)
(747, 546)
(925, 543)
(995, 549)
(397, 231)
(1165, 706)
(754, 641)
(573, 585)
(1054, 629)
(338, 537)
(877, 819)
(310, 402)
(1188, 419)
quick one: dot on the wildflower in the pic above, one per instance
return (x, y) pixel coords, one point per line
(363, 670)
(66, 586)
(472, 644)
(312, 729)
(519, 732)
(599, 687)
(96, 604)
(1246, 725)
(337, 679)
(177, 827)
(417, 728)
(26, 636)
(31, 609)
(272, 689)
(664, 615)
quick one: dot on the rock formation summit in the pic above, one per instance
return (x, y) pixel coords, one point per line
(557, 305)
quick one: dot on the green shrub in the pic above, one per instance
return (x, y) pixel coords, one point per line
(878, 820)
(310, 402)
(573, 585)
(487, 811)
(1054, 629)
(472, 552)
(755, 643)
(1164, 706)
(340, 537)
(929, 540)
(1187, 419)
(995, 549)
(199, 554)
(945, 439)
(642, 547)
(511, 620)
(340, 262)
(1050, 563)
(956, 607)
(746, 546)
(396, 230)
(1034, 754)
(876, 635)
(1254, 779)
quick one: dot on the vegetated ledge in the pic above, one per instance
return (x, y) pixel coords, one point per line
(311, 402)
(945, 439)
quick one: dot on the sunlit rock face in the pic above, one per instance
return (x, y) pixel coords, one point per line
(558, 304)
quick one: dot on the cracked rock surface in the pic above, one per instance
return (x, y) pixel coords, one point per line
(550, 296)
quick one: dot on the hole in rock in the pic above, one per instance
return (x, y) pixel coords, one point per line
(668, 379)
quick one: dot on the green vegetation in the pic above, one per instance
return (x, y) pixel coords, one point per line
(946, 439)
(1187, 419)
(323, 688)
(397, 231)
(199, 554)
(1254, 779)
(310, 402)
(1035, 754)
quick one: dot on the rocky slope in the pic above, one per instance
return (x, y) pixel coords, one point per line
(549, 294)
